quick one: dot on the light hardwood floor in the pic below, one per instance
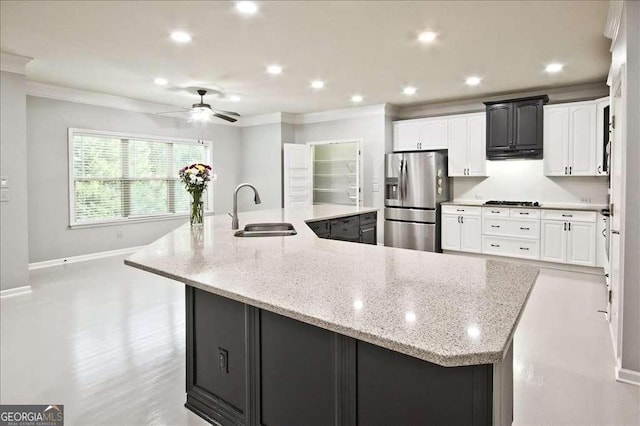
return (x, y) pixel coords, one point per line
(107, 341)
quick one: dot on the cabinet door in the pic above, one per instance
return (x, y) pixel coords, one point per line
(368, 234)
(556, 140)
(553, 244)
(528, 116)
(581, 244)
(406, 135)
(582, 140)
(433, 133)
(450, 232)
(476, 145)
(457, 156)
(499, 130)
(471, 235)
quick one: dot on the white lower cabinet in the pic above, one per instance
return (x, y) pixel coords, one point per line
(559, 236)
(461, 233)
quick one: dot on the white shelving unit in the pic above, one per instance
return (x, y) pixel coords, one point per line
(336, 172)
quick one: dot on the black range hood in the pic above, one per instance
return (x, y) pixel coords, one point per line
(514, 128)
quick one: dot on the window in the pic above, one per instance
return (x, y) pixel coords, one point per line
(116, 177)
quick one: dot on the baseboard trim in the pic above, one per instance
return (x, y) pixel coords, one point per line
(17, 291)
(82, 258)
(625, 375)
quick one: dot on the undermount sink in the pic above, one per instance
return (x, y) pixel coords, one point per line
(266, 230)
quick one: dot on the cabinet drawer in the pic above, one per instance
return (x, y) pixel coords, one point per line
(495, 211)
(569, 215)
(368, 218)
(511, 227)
(525, 213)
(459, 210)
(512, 247)
(319, 227)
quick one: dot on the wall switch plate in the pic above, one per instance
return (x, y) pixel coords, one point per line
(119, 233)
(223, 360)
(4, 181)
(376, 187)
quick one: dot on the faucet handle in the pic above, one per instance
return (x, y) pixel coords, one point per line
(230, 214)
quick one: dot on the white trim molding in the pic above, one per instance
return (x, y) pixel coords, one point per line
(17, 291)
(614, 17)
(627, 376)
(83, 257)
(14, 63)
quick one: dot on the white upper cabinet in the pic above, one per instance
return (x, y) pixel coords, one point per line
(570, 139)
(457, 155)
(417, 135)
(476, 145)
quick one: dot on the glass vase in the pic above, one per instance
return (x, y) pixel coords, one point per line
(197, 210)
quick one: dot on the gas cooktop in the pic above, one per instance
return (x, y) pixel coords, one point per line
(512, 203)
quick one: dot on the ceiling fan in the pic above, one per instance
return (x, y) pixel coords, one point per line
(201, 112)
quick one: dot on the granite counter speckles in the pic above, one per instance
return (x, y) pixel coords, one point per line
(449, 310)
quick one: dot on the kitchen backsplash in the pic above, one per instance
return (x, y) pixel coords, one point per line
(524, 180)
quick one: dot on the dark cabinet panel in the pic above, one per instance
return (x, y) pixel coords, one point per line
(514, 128)
(368, 234)
(319, 227)
(396, 389)
(528, 124)
(346, 229)
(499, 127)
(298, 370)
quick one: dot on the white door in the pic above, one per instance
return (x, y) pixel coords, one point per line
(433, 133)
(553, 241)
(476, 145)
(297, 175)
(457, 134)
(582, 140)
(450, 232)
(556, 141)
(406, 136)
(581, 244)
(471, 235)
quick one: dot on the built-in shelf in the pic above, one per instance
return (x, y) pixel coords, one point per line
(334, 174)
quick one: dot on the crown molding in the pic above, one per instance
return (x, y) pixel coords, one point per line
(614, 16)
(14, 63)
(50, 91)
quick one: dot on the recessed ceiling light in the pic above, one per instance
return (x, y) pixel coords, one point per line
(274, 69)
(246, 7)
(234, 98)
(180, 37)
(409, 90)
(552, 68)
(473, 81)
(160, 81)
(317, 84)
(356, 98)
(427, 36)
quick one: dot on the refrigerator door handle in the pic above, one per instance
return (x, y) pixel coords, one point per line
(404, 179)
(400, 180)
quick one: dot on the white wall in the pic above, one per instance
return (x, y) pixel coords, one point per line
(47, 121)
(261, 165)
(14, 249)
(524, 180)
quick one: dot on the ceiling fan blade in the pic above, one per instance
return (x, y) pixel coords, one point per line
(221, 111)
(225, 117)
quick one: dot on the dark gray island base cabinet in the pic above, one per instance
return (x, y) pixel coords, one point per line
(249, 366)
(357, 228)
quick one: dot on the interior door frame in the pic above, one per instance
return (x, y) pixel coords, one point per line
(359, 168)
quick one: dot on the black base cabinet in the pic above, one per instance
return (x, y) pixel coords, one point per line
(357, 228)
(247, 366)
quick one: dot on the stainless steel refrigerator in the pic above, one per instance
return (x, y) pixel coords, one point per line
(415, 185)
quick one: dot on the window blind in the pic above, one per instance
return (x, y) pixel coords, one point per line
(115, 177)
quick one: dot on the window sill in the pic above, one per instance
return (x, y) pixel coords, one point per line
(134, 220)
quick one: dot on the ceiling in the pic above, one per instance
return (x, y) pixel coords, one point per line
(369, 48)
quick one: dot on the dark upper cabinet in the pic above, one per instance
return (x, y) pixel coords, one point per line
(514, 128)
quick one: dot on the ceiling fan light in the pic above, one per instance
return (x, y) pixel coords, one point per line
(200, 115)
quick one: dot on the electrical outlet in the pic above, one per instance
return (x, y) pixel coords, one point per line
(119, 233)
(223, 360)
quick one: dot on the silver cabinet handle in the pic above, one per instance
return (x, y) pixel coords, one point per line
(567, 215)
(570, 172)
(495, 211)
(565, 170)
(525, 229)
(565, 226)
(495, 245)
(459, 210)
(615, 232)
(524, 212)
(495, 226)
(569, 226)
(524, 248)
(599, 169)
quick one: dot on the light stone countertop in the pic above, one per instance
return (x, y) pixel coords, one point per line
(446, 309)
(549, 206)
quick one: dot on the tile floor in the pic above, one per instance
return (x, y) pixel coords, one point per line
(107, 341)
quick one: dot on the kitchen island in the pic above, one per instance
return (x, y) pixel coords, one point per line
(301, 330)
